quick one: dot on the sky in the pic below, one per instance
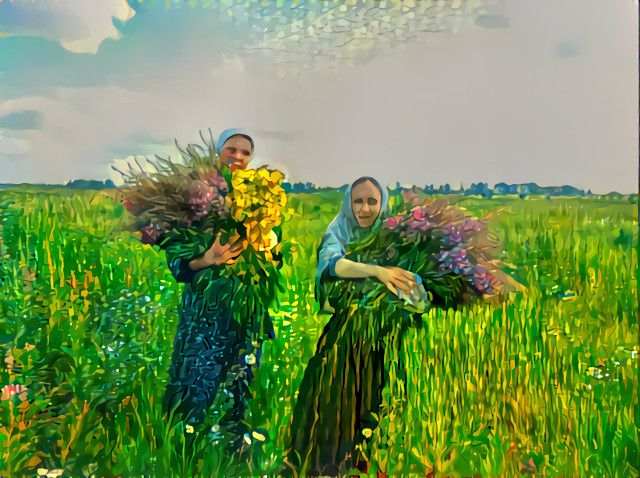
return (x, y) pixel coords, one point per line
(418, 92)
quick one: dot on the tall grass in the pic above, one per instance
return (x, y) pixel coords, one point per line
(546, 382)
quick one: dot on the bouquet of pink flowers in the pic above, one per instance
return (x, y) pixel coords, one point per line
(465, 242)
(446, 248)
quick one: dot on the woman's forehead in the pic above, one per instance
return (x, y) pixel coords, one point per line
(238, 142)
(365, 189)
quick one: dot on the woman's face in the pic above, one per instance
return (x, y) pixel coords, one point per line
(236, 152)
(365, 203)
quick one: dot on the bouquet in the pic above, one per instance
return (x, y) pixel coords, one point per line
(204, 198)
(174, 195)
(465, 244)
(254, 214)
(448, 250)
(256, 202)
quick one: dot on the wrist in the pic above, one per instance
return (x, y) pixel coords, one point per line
(376, 271)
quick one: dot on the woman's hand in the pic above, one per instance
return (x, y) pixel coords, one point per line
(395, 278)
(219, 254)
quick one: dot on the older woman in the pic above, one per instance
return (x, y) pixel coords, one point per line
(341, 391)
(213, 350)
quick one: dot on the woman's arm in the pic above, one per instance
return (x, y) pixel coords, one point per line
(393, 277)
(347, 269)
(180, 246)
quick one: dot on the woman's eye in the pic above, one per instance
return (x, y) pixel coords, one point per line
(232, 150)
(372, 201)
(357, 201)
(246, 153)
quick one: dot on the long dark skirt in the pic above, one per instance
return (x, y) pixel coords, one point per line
(340, 391)
(212, 355)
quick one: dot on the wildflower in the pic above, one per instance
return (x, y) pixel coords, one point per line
(10, 390)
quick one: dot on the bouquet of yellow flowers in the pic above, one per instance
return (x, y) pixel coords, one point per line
(255, 203)
(256, 200)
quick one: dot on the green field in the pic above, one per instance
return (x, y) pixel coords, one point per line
(544, 384)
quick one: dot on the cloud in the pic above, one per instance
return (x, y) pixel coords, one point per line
(83, 130)
(81, 127)
(80, 26)
(483, 105)
(156, 44)
(22, 120)
(332, 35)
(140, 143)
(14, 146)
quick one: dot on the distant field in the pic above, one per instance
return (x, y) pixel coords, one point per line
(546, 383)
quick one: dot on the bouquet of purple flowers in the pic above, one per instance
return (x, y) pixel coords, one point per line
(447, 248)
(466, 244)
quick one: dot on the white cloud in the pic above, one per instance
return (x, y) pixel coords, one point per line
(83, 128)
(79, 26)
(96, 16)
(17, 144)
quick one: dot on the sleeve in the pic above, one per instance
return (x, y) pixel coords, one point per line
(331, 250)
(180, 269)
(181, 247)
(332, 265)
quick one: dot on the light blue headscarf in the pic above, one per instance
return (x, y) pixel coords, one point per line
(228, 133)
(334, 243)
(334, 246)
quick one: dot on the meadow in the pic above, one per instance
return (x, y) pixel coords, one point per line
(544, 384)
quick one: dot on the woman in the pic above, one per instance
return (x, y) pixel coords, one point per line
(341, 390)
(214, 351)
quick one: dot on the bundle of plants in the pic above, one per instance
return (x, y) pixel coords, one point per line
(448, 250)
(175, 194)
(196, 202)
(250, 225)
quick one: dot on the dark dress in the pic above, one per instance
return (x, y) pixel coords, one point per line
(215, 352)
(342, 385)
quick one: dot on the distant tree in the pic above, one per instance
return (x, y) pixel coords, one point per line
(479, 189)
(504, 189)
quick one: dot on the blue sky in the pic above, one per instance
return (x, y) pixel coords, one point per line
(458, 92)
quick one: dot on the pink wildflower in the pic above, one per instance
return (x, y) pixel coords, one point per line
(10, 390)
(419, 214)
